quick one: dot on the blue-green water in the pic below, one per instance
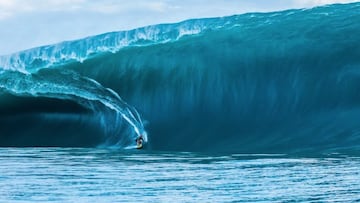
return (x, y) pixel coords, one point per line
(283, 84)
(104, 175)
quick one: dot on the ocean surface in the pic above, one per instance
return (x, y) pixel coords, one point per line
(253, 107)
(104, 175)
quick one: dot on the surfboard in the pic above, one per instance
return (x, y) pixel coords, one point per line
(139, 146)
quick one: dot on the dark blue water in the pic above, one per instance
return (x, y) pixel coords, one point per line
(281, 82)
(104, 175)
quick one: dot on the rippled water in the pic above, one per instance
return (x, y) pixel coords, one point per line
(99, 175)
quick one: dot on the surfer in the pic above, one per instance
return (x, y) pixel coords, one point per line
(139, 142)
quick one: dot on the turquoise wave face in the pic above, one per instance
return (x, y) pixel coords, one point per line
(264, 82)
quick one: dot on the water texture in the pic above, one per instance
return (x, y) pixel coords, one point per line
(89, 175)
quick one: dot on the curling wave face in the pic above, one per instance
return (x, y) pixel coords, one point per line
(277, 82)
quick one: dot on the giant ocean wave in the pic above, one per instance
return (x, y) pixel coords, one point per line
(277, 82)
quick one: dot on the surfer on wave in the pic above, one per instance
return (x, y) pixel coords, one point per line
(139, 142)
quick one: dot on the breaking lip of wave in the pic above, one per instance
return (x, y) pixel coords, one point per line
(79, 50)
